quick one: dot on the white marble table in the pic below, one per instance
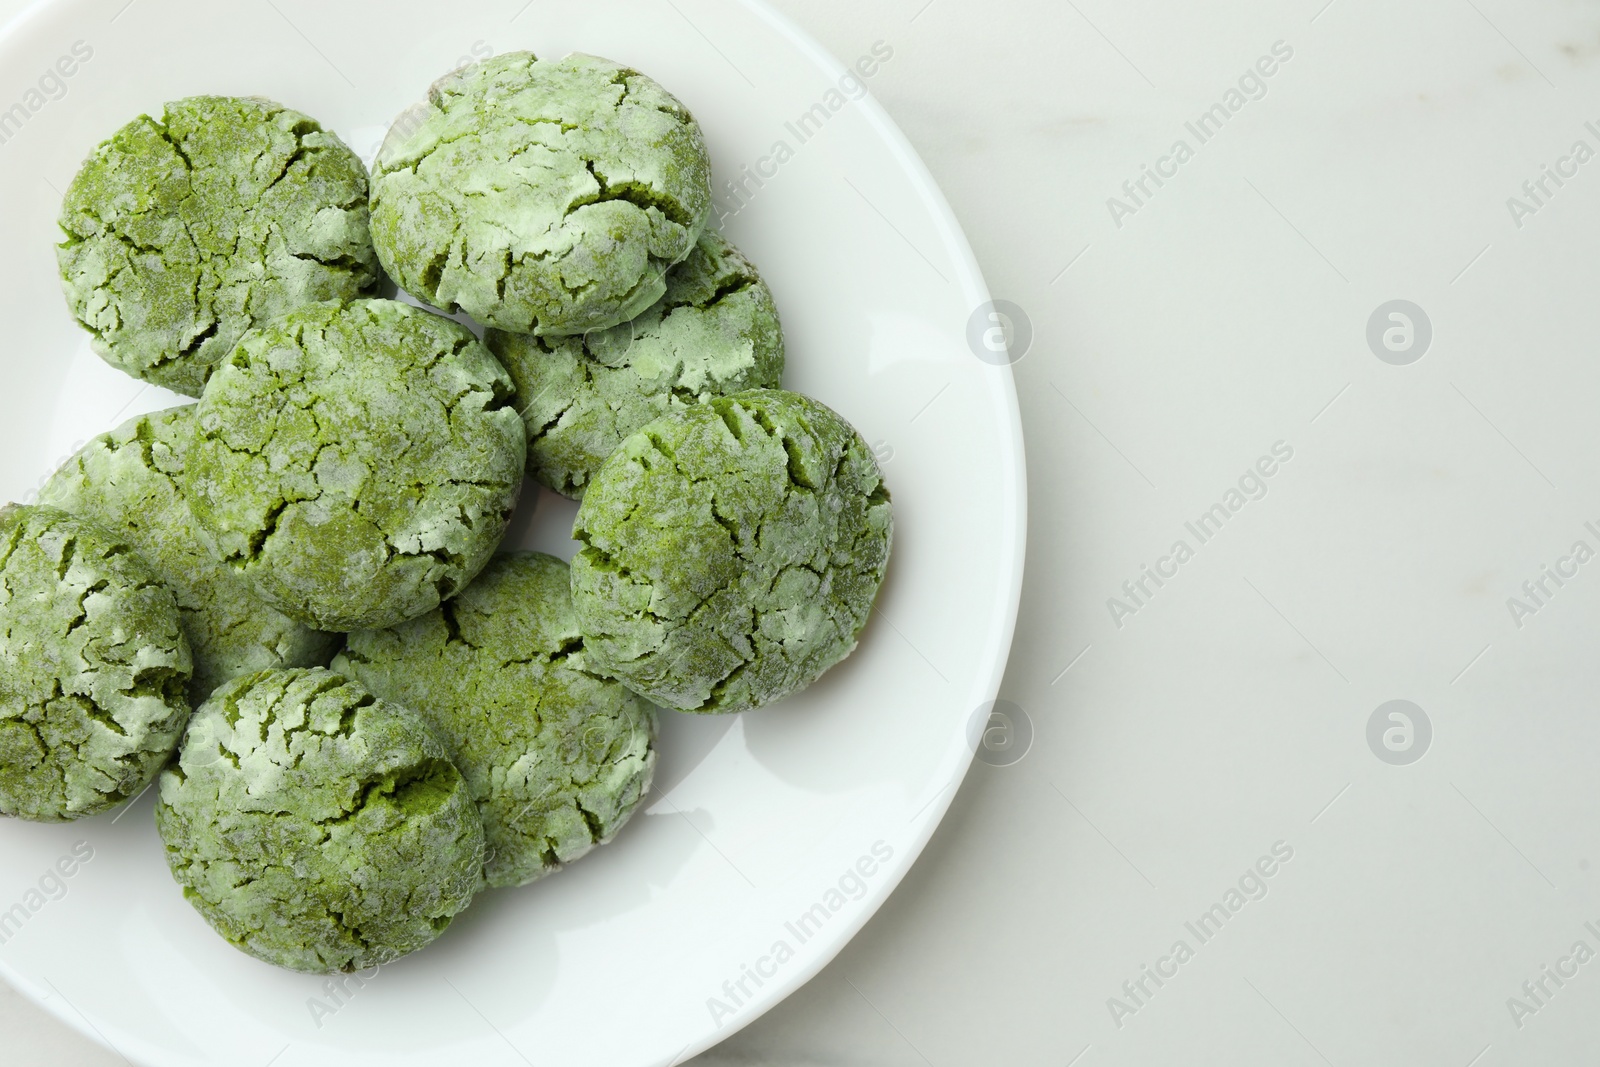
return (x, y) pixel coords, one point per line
(1210, 767)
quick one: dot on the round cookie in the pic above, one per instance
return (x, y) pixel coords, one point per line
(131, 481)
(557, 757)
(317, 827)
(93, 667)
(731, 553)
(184, 232)
(715, 332)
(358, 462)
(541, 196)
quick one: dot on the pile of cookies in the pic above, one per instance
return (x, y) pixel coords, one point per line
(289, 601)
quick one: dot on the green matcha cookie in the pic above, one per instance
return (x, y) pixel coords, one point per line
(358, 463)
(131, 481)
(93, 667)
(183, 233)
(556, 757)
(541, 196)
(317, 827)
(715, 332)
(731, 553)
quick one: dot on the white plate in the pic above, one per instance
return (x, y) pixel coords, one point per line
(760, 819)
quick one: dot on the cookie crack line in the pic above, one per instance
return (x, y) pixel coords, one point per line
(639, 194)
(737, 287)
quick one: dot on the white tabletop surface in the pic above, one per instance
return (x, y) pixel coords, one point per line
(1433, 874)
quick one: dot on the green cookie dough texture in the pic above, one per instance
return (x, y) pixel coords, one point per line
(93, 667)
(131, 481)
(557, 757)
(541, 196)
(317, 827)
(715, 332)
(358, 463)
(183, 233)
(731, 553)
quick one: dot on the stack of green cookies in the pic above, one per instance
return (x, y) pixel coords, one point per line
(289, 600)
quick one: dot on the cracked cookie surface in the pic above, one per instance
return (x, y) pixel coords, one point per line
(183, 233)
(556, 757)
(131, 481)
(715, 332)
(541, 196)
(94, 667)
(315, 826)
(357, 462)
(732, 552)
